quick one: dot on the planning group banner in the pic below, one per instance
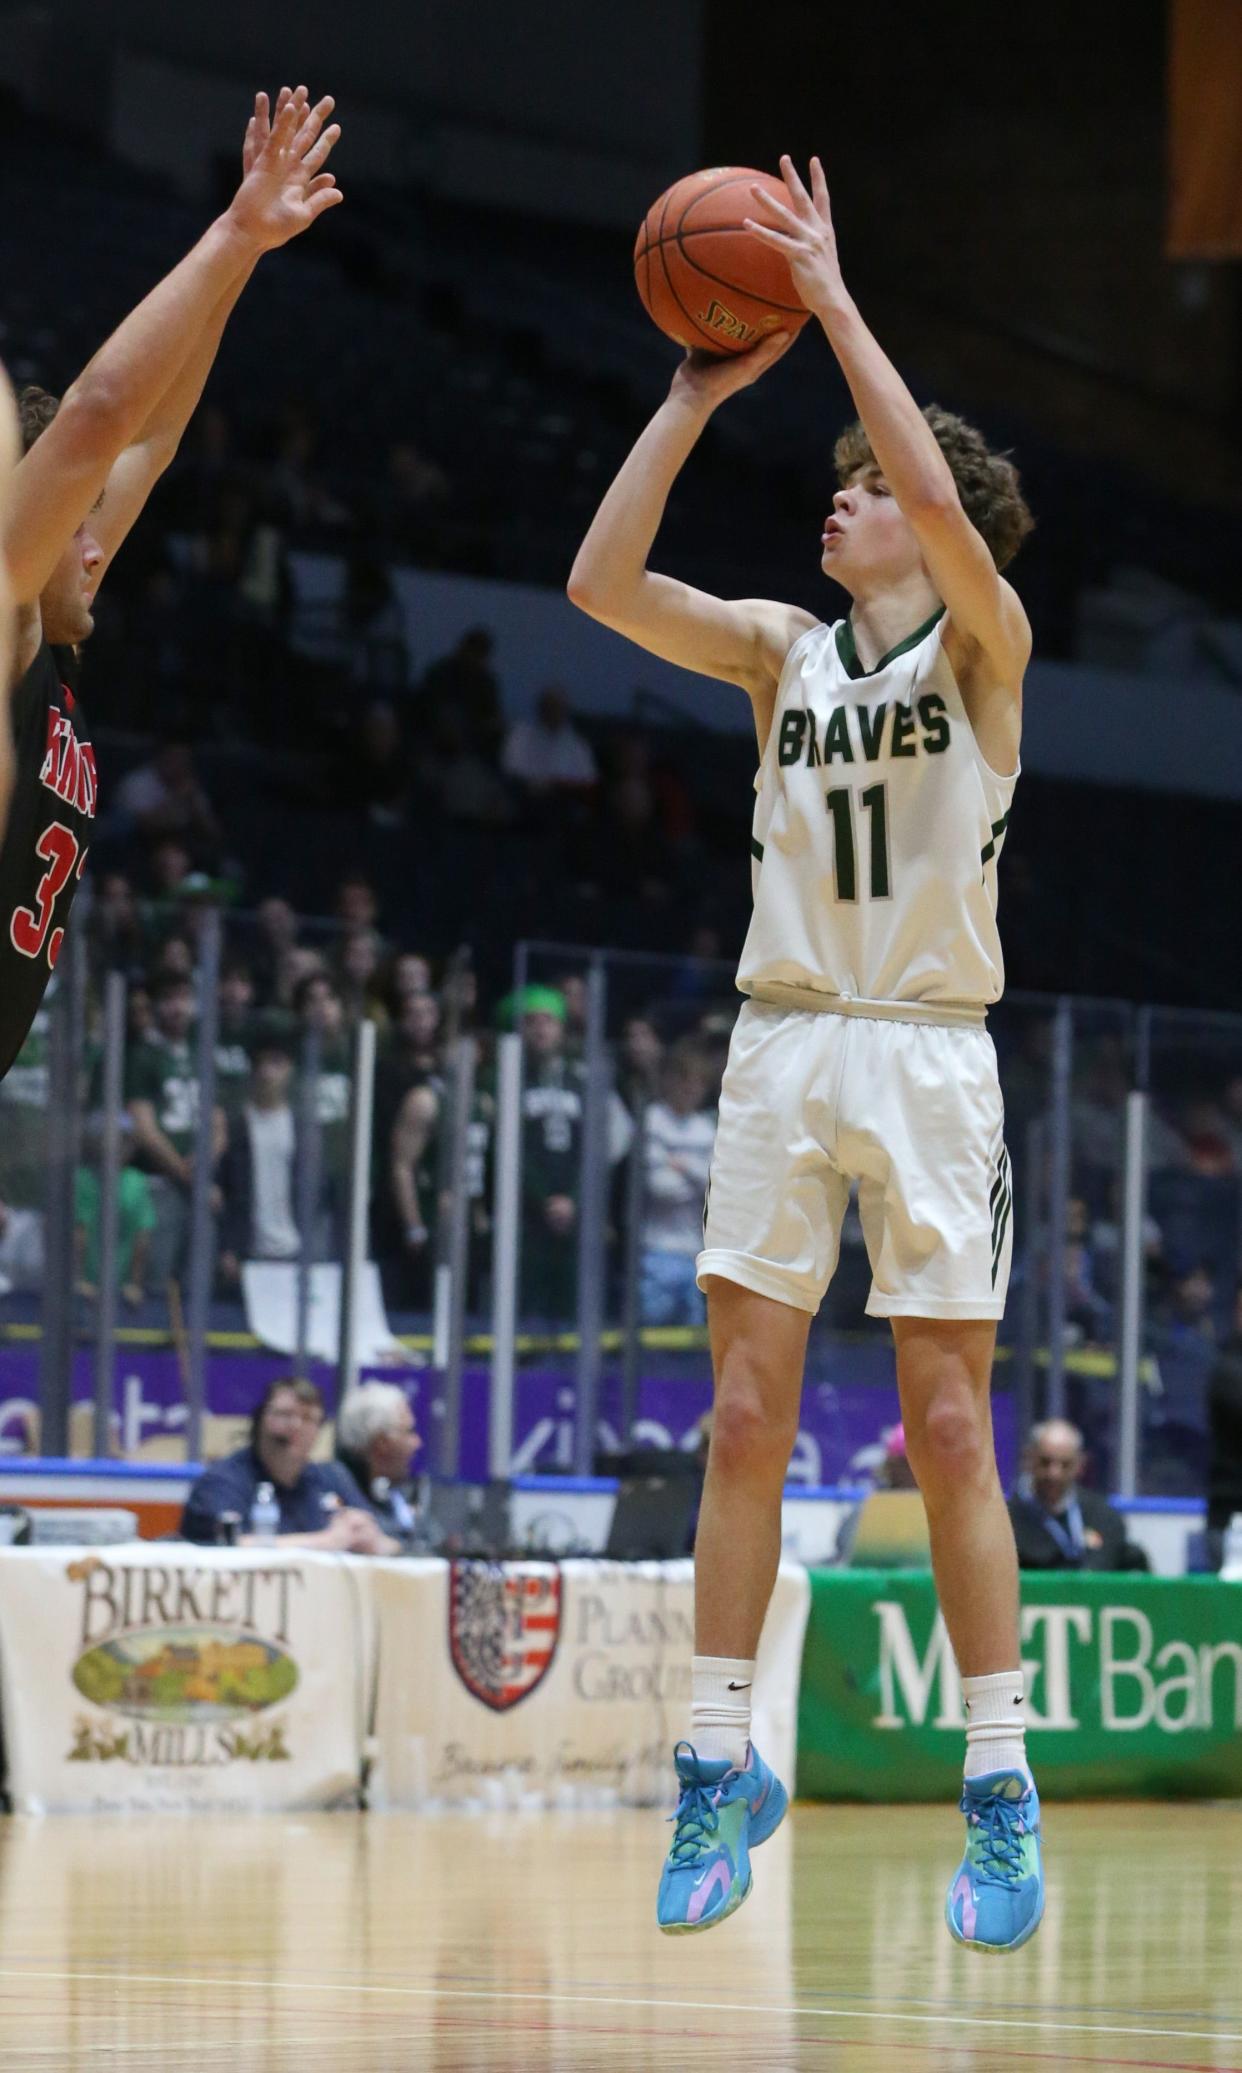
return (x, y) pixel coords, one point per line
(164, 1677)
(534, 1684)
(1134, 1687)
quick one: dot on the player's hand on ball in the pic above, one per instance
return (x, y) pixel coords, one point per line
(708, 378)
(803, 232)
(284, 188)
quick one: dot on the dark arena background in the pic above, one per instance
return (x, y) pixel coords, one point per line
(385, 1042)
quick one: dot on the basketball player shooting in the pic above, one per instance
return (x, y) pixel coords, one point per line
(888, 746)
(91, 461)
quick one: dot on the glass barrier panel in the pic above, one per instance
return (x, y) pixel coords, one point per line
(1192, 1242)
(546, 1007)
(669, 1025)
(24, 1155)
(1103, 1072)
(277, 1146)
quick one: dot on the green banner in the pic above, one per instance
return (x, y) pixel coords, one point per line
(1134, 1687)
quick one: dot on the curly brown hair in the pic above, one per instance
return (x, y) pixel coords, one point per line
(35, 410)
(987, 482)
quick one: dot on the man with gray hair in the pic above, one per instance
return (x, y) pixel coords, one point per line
(1056, 1523)
(376, 1439)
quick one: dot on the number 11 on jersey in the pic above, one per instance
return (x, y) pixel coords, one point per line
(841, 806)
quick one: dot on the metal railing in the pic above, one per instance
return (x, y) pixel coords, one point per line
(558, 1174)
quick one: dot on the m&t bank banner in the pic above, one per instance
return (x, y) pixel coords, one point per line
(1134, 1687)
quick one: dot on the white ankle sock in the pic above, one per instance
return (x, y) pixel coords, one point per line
(995, 1723)
(720, 1707)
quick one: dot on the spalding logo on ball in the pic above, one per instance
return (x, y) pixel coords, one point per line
(705, 280)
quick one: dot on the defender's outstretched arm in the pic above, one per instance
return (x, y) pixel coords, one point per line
(107, 407)
(136, 471)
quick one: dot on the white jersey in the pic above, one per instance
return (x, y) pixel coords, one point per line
(876, 835)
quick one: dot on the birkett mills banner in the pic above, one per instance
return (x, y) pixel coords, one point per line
(145, 1679)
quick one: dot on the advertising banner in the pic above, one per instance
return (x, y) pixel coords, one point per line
(532, 1684)
(165, 1678)
(850, 1397)
(1134, 1687)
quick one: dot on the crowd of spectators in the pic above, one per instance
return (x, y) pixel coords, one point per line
(289, 995)
(292, 990)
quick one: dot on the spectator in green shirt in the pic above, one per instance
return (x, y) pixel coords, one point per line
(136, 1219)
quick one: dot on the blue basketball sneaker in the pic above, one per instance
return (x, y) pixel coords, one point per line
(996, 1901)
(721, 1815)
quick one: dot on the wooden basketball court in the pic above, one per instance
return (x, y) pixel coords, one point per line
(520, 1941)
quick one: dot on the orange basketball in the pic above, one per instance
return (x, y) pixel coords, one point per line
(704, 279)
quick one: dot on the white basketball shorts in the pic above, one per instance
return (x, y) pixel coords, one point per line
(912, 1112)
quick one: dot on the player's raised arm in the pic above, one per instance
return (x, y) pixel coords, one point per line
(982, 607)
(136, 471)
(107, 407)
(744, 641)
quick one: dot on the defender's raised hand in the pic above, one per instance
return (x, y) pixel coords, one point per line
(259, 127)
(284, 189)
(804, 233)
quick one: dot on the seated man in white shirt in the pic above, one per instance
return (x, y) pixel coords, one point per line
(547, 754)
(376, 1440)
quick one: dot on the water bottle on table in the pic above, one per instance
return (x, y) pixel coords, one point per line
(265, 1513)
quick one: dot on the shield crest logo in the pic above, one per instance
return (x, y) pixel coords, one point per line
(504, 1624)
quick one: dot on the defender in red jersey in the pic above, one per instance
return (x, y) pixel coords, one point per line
(90, 462)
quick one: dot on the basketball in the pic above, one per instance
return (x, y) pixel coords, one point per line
(705, 279)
